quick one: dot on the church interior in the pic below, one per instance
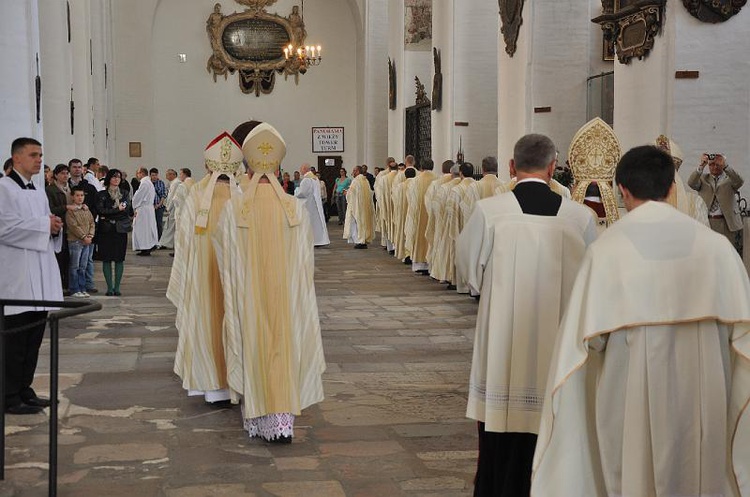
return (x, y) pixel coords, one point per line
(150, 82)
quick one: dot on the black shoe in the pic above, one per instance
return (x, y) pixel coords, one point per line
(451, 287)
(407, 261)
(280, 440)
(21, 409)
(110, 293)
(392, 252)
(92, 290)
(144, 252)
(117, 293)
(423, 272)
(66, 293)
(171, 254)
(39, 402)
(360, 246)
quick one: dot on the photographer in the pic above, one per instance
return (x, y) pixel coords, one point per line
(718, 188)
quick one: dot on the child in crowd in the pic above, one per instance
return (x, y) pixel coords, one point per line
(80, 227)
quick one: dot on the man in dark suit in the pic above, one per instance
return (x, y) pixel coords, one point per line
(717, 189)
(520, 251)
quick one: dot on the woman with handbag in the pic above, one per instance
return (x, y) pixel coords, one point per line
(115, 209)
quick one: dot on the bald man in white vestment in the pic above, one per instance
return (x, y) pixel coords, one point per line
(650, 378)
(521, 252)
(274, 348)
(309, 193)
(195, 283)
(489, 186)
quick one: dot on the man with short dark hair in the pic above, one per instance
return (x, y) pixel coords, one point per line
(666, 414)
(90, 173)
(166, 240)
(161, 197)
(486, 187)
(521, 251)
(29, 238)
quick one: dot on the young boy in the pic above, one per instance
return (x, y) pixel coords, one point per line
(80, 226)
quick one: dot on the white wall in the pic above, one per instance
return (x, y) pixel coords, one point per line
(175, 108)
(396, 54)
(375, 87)
(442, 121)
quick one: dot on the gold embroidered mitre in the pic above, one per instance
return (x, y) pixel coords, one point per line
(670, 147)
(674, 198)
(593, 156)
(264, 149)
(222, 156)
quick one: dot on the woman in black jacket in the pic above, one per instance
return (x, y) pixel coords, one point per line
(115, 210)
(58, 195)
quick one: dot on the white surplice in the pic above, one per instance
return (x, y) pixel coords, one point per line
(309, 193)
(415, 231)
(649, 382)
(145, 235)
(437, 256)
(27, 250)
(524, 267)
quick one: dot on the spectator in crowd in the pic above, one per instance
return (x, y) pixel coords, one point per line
(59, 198)
(297, 179)
(717, 188)
(79, 225)
(369, 176)
(115, 209)
(101, 173)
(124, 184)
(324, 197)
(287, 184)
(89, 174)
(48, 179)
(159, 200)
(342, 184)
(7, 167)
(77, 178)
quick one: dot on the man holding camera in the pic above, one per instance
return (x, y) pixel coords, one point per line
(717, 188)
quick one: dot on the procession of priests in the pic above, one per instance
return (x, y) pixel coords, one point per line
(592, 374)
(574, 395)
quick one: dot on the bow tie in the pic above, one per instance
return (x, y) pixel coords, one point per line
(30, 186)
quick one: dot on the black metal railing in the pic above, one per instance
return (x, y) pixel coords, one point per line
(65, 309)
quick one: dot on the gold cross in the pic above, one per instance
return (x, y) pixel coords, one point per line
(265, 148)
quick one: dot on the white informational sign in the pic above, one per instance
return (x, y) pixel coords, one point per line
(325, 140)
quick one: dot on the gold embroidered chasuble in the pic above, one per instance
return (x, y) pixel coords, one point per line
(274, 348)
(195, 289)
(360, 211)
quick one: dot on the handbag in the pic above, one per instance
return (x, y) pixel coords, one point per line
(124, 225)
(105, 226)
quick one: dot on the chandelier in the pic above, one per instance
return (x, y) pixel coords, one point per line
(307, 56)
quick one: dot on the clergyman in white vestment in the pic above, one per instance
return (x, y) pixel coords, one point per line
(521, 251)
(359, 224)
(167, 234)
(649, 381)
(145, 236)
(264, 245)
(309, 193)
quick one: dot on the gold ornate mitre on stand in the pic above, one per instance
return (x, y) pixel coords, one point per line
(264, 149)
(222, 156)
(593, 156)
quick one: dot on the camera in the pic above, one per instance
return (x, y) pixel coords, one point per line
(123, 204)
(711, 156)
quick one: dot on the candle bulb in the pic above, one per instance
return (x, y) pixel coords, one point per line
(318, 50)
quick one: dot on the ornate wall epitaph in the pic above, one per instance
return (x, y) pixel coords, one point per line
(510, 15)
(632, 25)
(713, 10)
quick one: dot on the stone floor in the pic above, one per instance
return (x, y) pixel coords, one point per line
(398, 347)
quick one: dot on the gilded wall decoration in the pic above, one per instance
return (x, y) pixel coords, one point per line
(511, 16)
(252, 43)
(417, 25)
(632, 24)
(437, 81)
(713, 11)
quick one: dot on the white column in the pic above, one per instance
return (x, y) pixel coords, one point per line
(19, 44)
(99, 116)
(443, 145)
(549, 69)
(475, 81)
(55, 58)
(375, 122)
(396, 54)
(80, 21)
